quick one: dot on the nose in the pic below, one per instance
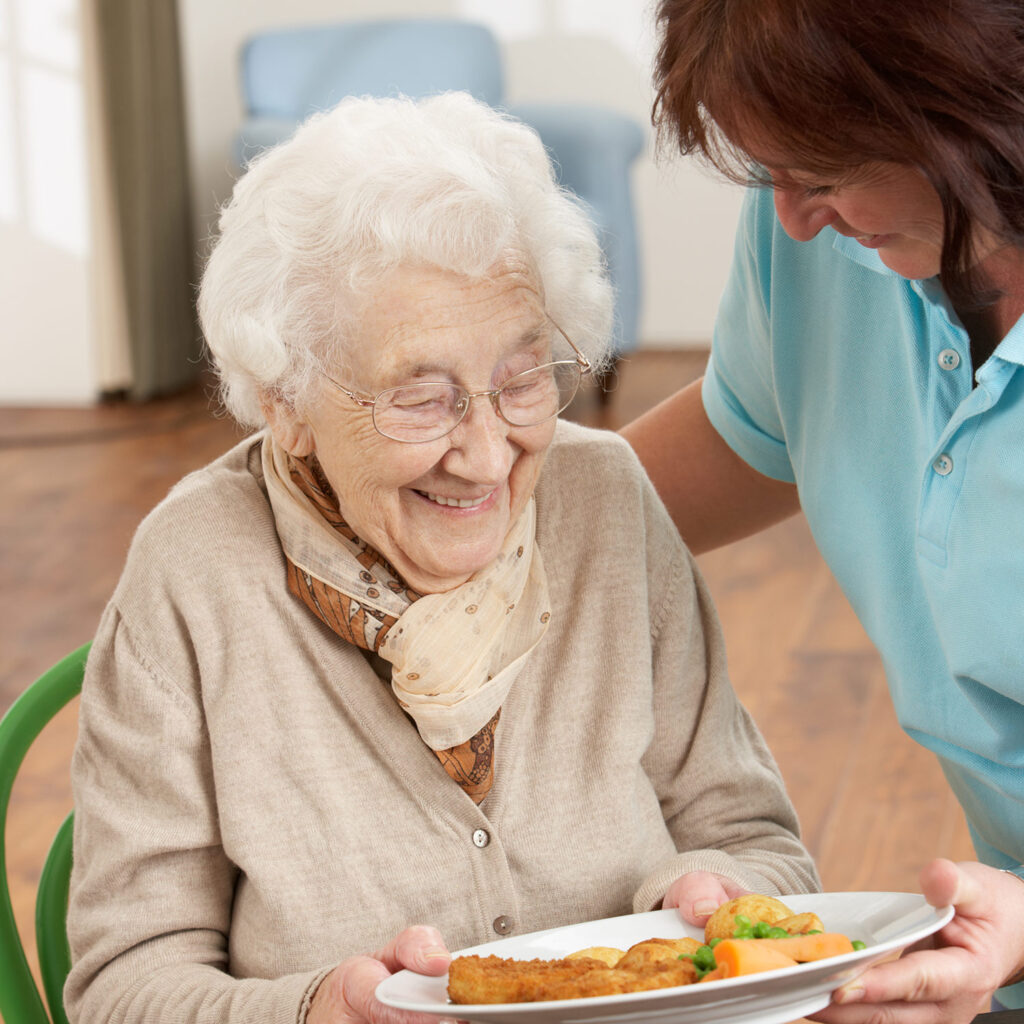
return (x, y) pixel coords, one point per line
(480, 449)
(802, 216)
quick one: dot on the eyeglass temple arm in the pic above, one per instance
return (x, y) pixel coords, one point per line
(584, 362)
(364, 402)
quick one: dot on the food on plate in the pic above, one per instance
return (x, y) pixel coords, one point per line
(734, 957)
(800, 924)
(493, 979)
(606, 954)
(720, 924)
(804, 948)
(655, 951)
(746, 935)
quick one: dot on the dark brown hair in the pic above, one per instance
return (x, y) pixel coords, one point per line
(837, 84)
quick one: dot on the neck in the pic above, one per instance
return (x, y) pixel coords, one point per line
(1003, 271)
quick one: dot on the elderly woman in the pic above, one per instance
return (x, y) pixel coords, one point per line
(415, 654)
(868, 366)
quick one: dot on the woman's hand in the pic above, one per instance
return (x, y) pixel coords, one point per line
(346, 995)
(698, 894)
(953, 980)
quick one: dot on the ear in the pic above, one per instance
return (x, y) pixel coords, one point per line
(290, 431)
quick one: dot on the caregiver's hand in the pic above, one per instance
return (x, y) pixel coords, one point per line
(346, 995)
(698, 894)
(951, 982)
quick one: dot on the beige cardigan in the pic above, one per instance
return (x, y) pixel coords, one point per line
(252, 805)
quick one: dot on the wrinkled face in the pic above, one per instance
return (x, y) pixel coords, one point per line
(438, 511)
(888, 207)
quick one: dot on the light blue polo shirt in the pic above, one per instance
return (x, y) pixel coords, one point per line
(831, 371)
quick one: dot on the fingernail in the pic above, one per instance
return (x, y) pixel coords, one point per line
(851, 993)
(701, 908)
(436, 953)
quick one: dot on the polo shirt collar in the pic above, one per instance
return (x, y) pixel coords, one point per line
(1010, 349)
(852, 249)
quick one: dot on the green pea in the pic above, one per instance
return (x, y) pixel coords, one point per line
(857, 944)
(707, 957)
(703, 959)
(778, 933)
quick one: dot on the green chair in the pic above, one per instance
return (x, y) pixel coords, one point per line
(20, 999)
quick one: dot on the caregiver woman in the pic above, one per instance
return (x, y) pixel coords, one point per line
(401, 672)
(867, 367)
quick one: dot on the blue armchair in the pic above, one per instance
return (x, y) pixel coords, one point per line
(288, 74)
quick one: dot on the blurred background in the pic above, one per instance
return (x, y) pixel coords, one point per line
(118, 126)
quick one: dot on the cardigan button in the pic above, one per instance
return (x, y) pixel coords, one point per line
(503, 925)
(481, 838)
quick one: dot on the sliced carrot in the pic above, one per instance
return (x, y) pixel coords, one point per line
(748, 956)
(718, 972)
(807, 947)
(751, 956)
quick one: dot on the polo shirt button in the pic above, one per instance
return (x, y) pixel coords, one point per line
(481, 838)
(943, 465)
(503, 925)
(949, 359)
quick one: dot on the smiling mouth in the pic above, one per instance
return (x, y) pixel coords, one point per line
(440, 499)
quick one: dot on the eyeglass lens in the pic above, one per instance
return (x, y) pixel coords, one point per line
(425, 412)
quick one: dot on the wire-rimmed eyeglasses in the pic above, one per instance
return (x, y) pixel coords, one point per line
(418, 413)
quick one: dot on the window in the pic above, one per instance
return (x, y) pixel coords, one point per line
(43, 175)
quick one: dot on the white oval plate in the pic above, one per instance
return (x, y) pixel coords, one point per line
(886, 921)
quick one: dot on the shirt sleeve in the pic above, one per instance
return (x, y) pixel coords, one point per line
(151, 893)
(722, 796)
(738, 390)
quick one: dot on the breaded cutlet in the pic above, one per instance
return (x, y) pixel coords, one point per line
(492, 979)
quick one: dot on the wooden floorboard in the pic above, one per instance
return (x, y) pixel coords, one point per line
(873, 805)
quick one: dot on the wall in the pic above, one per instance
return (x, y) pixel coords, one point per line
(595, 51)
(46, 341)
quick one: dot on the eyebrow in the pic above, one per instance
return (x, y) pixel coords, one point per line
(528, 338)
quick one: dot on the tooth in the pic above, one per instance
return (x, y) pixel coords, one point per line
(455, 502)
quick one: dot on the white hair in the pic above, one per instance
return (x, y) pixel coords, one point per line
(362, 189)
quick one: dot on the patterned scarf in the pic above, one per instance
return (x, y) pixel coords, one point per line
(454, 655)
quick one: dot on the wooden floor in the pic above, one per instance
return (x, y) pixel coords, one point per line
(874, 806)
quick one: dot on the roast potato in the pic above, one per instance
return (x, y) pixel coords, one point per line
(722, 923)
(608, 955)
(653, 951)
(801, 924)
